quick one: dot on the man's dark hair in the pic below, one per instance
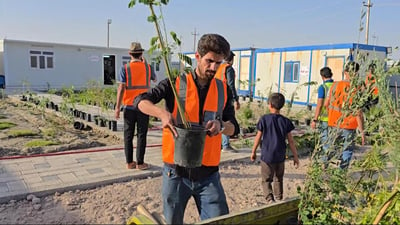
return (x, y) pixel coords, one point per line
(326, 72)
(372, 67)
(230, 56)
(136, 55)
(352, 67)
(213, 43)
(277, 100)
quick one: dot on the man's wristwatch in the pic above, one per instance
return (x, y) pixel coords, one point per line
(314, 120)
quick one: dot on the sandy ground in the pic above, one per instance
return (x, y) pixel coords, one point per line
(114, 204)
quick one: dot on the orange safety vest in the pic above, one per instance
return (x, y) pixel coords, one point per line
(221, 72)
(189, 97)
(371, 81)
(338, 94)
(138, 75)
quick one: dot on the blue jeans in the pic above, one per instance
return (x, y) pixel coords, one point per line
(344, 143)
(208, 194)
(323, 139)
(225, 141)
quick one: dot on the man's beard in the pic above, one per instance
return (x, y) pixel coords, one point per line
(210, 74)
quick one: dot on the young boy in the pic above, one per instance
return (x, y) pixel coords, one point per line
(274, 129)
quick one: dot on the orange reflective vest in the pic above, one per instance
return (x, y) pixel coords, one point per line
(221, 72)
(214, 104)
(338, 94)
(138, 76)
(370, 81)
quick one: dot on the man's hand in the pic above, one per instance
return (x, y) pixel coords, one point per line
(213, 127)
(236, 104)
(116, 113)
(253, 156)
(168, 122)
(296, 162)
(313, 124)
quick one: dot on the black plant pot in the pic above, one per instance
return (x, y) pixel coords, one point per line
(309, 107)
(308, 122)
(56, 108)
(89, 117)
(103, 122)
(79, 125)
(83, 115)
(114, 125)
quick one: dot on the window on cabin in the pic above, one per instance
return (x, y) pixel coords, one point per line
(41, 59)
(125, 60)
(292, 71)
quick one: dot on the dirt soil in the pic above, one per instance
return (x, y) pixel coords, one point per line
(115, 203)
(44, 124)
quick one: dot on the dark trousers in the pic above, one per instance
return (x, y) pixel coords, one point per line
(272, 172)
(131, 119)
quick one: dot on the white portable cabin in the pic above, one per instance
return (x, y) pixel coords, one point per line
(290, 70)
(41, 65)
(243, 65)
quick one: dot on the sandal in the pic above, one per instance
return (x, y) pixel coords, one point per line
(131, 165)
(143, 166)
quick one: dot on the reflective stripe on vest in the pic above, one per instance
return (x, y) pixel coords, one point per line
(221, 72)
(338, 95)
(138, 75)
(213, 105)
(323, 116)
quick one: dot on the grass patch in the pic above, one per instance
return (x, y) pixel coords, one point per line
(49, 132)
(6, 125)
(21, 133)
(40, 143)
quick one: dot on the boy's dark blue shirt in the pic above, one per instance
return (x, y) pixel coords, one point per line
(274, 128)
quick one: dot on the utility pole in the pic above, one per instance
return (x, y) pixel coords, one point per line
(369, 5)
(108, 32)
(194, 40)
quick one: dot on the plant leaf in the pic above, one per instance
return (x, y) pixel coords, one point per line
(132, 3)
(185, 58)
(151, 18)
(165, 2)
(153, 40)
(175, 38)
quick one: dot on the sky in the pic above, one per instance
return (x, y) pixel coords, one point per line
(244, 23)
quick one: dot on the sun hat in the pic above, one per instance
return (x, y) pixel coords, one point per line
(136, 48)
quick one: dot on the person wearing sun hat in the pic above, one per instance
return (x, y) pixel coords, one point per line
(134, 79)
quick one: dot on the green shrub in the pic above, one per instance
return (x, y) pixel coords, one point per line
(6, 125)
(40, 143)
(21, 133)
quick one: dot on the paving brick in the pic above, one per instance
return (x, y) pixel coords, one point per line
(3, 187)
(50, 178)
(17, 186)
(41, 165)
(68, 178)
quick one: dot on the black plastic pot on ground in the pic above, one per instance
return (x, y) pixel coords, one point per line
(308, 122)
(103, 122)
(96, 119)
(114, 125)
(89, 117)
(78, 125)
(83, 115)
(56, 108)
(52, 105)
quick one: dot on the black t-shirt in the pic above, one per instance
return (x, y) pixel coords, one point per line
(163, 90)
(274, 128)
